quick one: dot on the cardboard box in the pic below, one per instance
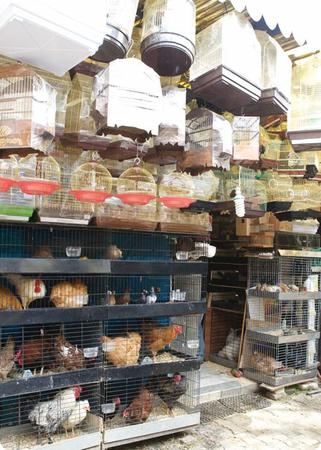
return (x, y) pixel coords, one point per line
(243, 227)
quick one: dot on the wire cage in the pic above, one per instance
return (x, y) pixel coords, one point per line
(31, 351)
(304, 117)
(283, 321)
(115, 93)
(208, 139)
(226, 317)
(136, 407)
(246, 138)
(129, 342)
(254, 190)
(68, 416)
(279, 364)
(27, 109)
(287, 275)
(306, 195)
(52, 241)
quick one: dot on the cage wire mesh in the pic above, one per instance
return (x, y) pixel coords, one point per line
(46, 349)
(149, 399)
(129, 342)
(278, 364)
(225, 407)
(31, 291)
(281, 342)
(284, 274)
(52, 241)
(32, 420)
(253, 189)
(226, 325)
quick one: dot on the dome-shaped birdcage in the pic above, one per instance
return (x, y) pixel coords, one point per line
(39, 175)
(176, 190)
(119, 26)
(206, 185)
(136, 186)
(8, 173)
(279, 187)
(168, 38)
(91, 182)
(306, 195)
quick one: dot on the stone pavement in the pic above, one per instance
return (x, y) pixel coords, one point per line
(293, 423)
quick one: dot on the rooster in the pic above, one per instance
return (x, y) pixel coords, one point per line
(156, 337)
(6, 358)
(77, 416)
(68, 356)
(28, 289)
(170, 389)
(50, 415)
(140, 408)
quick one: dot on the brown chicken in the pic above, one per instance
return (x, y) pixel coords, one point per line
(7, 358)
(8, 300)
(123, 299)
(43, 252)
(122, 351)
(69, 294)
(140, 408)
(34, 353)
(156, 337)
(67, 355)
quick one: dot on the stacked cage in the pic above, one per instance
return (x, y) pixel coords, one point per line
(284, 298)
(113, 314)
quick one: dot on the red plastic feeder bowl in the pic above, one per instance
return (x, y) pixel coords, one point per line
(177, 202)
(135, 198)
(86, 196)
(6, 184)
(38, 187)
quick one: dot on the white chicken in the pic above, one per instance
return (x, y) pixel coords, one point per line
(50, 415)
(28, 289)
(78, 415)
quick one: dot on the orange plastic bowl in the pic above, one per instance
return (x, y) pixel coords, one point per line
(6, 184)
(177, 202)
(135, 198)
(86, 196)
(38, 187)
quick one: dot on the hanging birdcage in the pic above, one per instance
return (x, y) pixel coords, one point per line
(279, 187)
(91, 182)
(173, 112)
(168, 44)
(27, 109)
(206, 185)
(275, 78)
(208, 139)
(306, 195)
(119, 26)
(176, 190)
(304, 122)
(39, 175)
(227, 66)
(246, 138)
(127, 105)
(136, 186)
